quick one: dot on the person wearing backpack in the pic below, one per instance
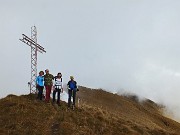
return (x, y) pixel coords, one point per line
(57, 87)
(48, 82)
(40, 84)
(72, 89)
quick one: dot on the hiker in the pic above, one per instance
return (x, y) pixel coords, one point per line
(40, 84)
(57, 87)
(72, 88)
(48, 82)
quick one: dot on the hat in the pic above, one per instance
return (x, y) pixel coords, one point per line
(71, 77)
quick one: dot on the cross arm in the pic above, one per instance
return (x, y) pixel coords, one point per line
(32, 43)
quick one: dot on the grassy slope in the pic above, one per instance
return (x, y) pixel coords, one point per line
(99, 112)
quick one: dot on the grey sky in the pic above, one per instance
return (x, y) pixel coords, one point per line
(110, 44)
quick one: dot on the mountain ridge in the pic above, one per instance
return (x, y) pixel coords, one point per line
(98, 112)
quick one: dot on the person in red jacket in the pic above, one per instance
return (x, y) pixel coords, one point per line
(48, 83)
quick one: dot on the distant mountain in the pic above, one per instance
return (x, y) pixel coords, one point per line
(97, 113)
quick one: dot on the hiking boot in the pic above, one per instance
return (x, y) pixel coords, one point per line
(69, 107)
(73, 107)
(47, 101)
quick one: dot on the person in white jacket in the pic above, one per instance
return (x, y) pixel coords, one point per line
(58, 88)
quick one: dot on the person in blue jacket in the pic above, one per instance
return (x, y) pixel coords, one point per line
(40, 84)
(72, 89)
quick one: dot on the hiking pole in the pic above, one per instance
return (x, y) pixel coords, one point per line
(29, 85)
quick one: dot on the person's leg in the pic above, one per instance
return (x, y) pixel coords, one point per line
(54, 94)
(69, 97)
(46, 96)
(49, 92)
(58, 96)
(74, 97)
(40, 92)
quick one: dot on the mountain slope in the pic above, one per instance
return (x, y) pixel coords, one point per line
(146, 116)
(99, 112)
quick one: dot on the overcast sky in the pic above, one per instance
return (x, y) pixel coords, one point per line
(130, 45)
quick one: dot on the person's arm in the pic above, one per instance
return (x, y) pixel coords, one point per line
(68, 85)
(53, 82)
(37, 80)
(53, 85)
(75, 84)
(53, 77)
(43, 80)
(61, 85)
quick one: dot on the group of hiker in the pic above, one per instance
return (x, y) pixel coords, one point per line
(54, 83)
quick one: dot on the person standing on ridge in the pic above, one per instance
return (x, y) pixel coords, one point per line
(57, 87)
(48, 82)
(72, 88)
(40, 84)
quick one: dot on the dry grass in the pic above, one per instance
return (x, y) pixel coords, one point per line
(24, 115)
(99, 113)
